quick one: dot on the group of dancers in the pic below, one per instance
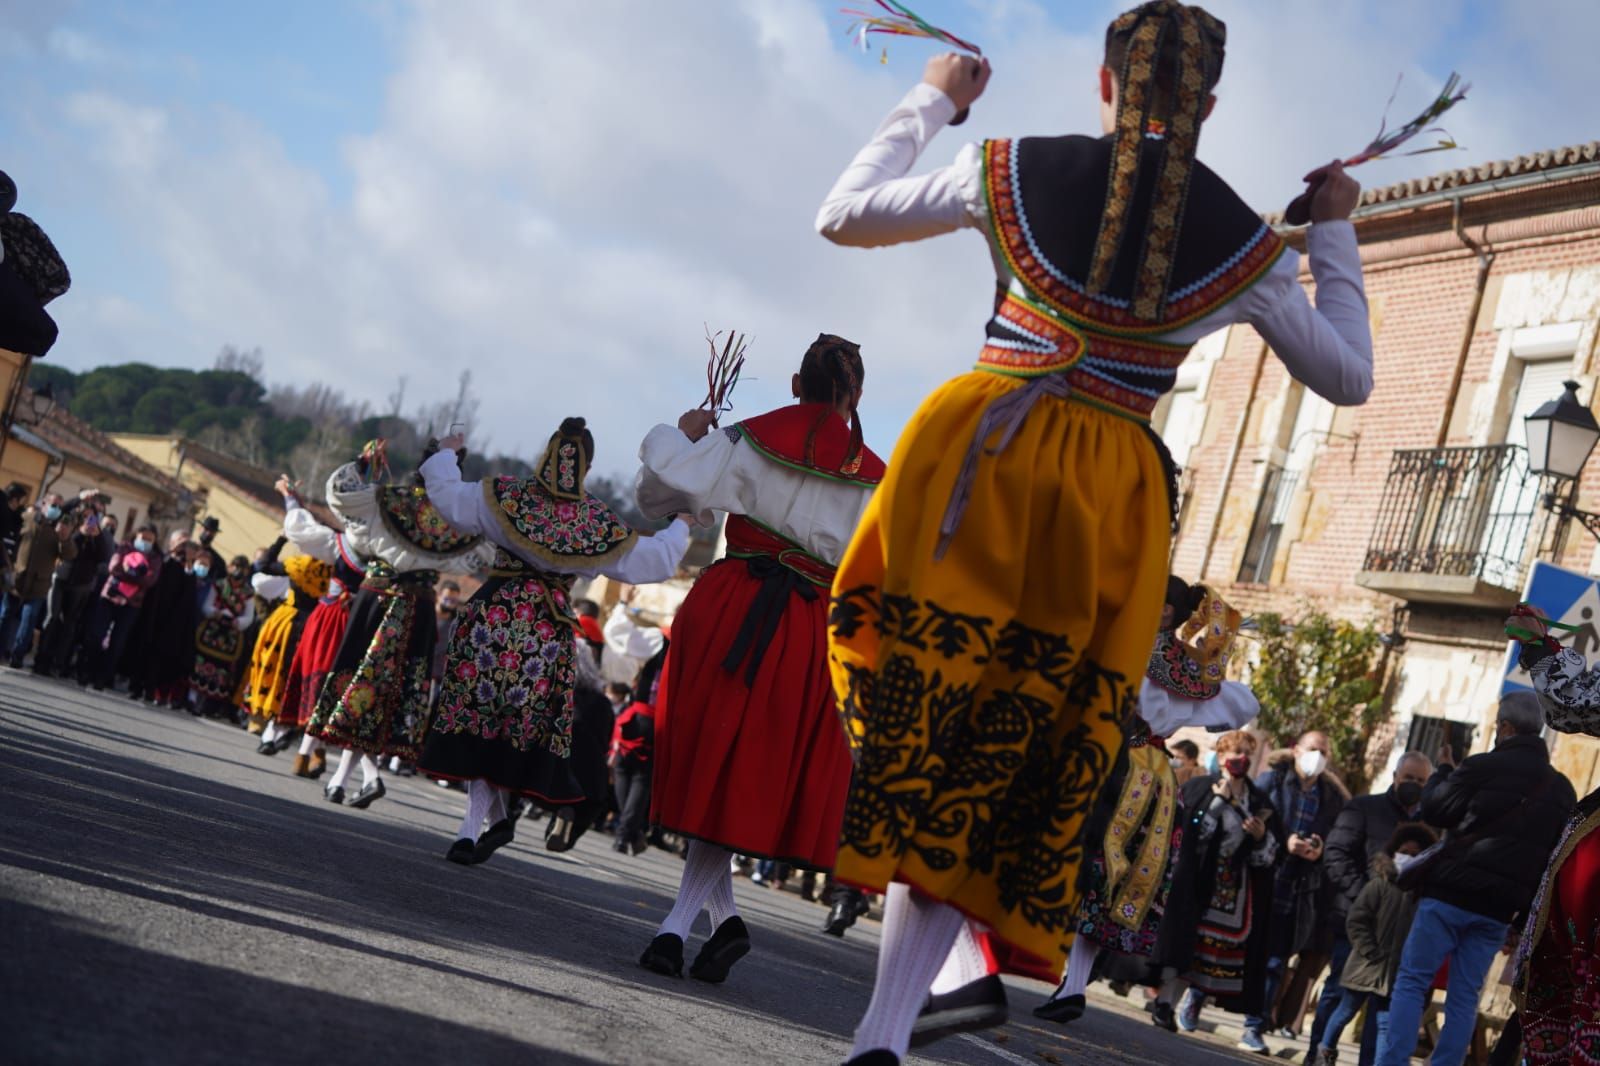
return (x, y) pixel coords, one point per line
(945, 678)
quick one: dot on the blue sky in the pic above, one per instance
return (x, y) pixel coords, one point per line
(559, 196)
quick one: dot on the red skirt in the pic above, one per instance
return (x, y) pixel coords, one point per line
(763, 768)
(313, 658)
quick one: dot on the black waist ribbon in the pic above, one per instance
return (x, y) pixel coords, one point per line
(760, 623)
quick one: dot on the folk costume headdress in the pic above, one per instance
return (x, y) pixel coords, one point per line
(550, 515)
(1191, 660)
(1189, 71)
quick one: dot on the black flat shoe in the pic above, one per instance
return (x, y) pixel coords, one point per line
(368, 794)
(664, 956)
(1162, 1016)
(334, 795)
(874, 1058)
(463, 851)
(843, 914)
(562, 832)
(285, 742)
(1065, 1009)
(729, 944)
(267, 747)
(979, 1004)
(494, 838)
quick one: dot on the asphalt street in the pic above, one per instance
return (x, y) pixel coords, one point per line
(168, 895)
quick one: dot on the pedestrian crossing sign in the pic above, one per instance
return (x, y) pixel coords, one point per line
(1564, 596)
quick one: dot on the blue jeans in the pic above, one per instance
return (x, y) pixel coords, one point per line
(29, 618)
(1347, 1008)
(9, 607)
(1470, 942)
(1328, 1002)
(1269, 991)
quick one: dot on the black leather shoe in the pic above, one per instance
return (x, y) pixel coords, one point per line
(368, 794)
(494, 838)
(562, 831)
(729, 944)
(285, 741)
(1064, 1009)
(843, 914)
(266, 747)
(334, 795)
(874, 1058)
(463, 851)
(979, 1004)
(1163, 1017)
(664, 955)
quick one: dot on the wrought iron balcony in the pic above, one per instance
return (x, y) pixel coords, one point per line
(1454, 525)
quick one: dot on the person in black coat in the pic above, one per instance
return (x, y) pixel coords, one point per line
(1308, 801)
(1359, 836)
(1503, 811)
(160, 651)
(72, 593)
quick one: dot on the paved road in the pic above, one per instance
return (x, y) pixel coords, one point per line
(167, 895)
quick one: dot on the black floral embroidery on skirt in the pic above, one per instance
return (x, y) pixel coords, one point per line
(958, 774)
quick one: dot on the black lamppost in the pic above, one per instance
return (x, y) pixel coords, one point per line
(42, 402)
(1561, 436)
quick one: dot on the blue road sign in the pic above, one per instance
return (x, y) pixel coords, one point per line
(1564, 596)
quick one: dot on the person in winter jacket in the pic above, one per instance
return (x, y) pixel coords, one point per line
(130, 575)
(1376, 928)
(1503, 811)
(1359, 835)
(633, 742)
(1308, 799)
(47, 543)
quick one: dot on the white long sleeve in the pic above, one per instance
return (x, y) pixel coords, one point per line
(270, 586)
(245, 617)
(626, 637)
(1234, 707)
(1327, 347)
(723, 472)
(648, 560)
(310, 536)
(874, 203)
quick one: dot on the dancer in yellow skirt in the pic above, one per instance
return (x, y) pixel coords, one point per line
(996, 608)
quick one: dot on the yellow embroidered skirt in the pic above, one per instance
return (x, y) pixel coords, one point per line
(984, 691)
(269, 664)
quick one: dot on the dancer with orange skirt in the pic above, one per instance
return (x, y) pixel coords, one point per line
(750, 758)
(996, 609)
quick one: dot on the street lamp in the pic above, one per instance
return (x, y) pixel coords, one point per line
(43, 401)
(1561, 436)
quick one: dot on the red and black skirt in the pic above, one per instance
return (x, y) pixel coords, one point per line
(750, 753)
(313, 658)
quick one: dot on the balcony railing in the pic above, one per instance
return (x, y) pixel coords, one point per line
(1453, 525)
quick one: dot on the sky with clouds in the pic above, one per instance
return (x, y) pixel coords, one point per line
(559, 196)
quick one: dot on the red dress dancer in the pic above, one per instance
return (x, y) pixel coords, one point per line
(750, 755)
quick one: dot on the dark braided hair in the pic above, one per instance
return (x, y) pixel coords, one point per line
(1183, 598)
(830, 373)
(1163, 84)
(577, 427)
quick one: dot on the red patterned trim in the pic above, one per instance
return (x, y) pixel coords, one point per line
(1010, 237)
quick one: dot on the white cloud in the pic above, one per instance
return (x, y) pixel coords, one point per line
(560, 195)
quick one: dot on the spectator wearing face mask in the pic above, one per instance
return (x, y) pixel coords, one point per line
(1308, 800)
(72, 593)
(160, 653)
(1185, 760)
(1503, 812)
(130, 575)
(1221, 892)
(1377, 925)
(44, 545)
(1359, 836)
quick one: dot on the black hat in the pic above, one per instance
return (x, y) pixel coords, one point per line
(8, 193)
(211, 524)
(15, 489)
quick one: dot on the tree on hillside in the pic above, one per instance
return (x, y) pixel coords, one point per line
(1318, 673)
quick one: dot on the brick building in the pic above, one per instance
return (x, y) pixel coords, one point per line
(1414, 511)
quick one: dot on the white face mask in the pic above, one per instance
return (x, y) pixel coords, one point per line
(1401, 861)
(1310, 763)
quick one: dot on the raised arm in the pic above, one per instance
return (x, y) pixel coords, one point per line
(460, 502)
(874, 202)
(626, 637)
(270, 586)
(692, 469)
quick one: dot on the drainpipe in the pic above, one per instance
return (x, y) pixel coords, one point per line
(1233, 462)
(1485, 261)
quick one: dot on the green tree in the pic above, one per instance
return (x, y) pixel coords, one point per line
(1318, 673)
